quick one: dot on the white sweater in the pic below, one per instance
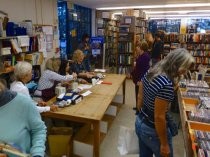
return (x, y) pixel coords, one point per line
(19, 87)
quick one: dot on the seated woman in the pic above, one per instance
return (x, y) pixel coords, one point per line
(49, 80)
(65, 70)
(78, 66)
(23, 74)
(21, 124)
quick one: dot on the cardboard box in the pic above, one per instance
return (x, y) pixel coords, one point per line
(83, 141)
(60, 141)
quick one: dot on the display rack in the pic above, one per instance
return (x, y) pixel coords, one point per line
(190, 100)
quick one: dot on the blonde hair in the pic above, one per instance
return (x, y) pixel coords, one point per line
(143, 45)
(179, 59)
(77, 54)
(53, 64)
(150, 40)
(22, 69)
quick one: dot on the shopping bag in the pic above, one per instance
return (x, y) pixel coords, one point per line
(127, 141)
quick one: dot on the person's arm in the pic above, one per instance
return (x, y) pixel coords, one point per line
(57, 77)
(140, 96)
(37, 130)
(161, 104)
(161, 107)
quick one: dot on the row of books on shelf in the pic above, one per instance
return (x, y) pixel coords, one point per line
(141, 23)
(124, 70)
(126, 47)
(200, 53)
(141, 30)
(103, 31)
(202, 60)
(195, 37)
(189, 46)
(125, 59)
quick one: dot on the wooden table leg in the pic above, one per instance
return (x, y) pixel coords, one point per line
(124, 91)
(96, 144)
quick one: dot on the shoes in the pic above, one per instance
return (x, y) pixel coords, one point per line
(137, 112)
(135, 108)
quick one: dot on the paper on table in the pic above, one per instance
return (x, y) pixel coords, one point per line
(86, 93)
(84, 86)
(100, 70)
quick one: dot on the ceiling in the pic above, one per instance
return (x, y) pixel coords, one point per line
(95, 4)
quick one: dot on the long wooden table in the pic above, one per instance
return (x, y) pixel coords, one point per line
(93, 107)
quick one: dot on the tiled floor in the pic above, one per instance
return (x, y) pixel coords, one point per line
(126, 117)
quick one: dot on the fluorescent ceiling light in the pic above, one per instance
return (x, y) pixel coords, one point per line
(177, 11)
(177, 18)
(118, 13)
(158, 6)
(194, 15)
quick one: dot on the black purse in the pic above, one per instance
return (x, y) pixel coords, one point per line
(172, 125)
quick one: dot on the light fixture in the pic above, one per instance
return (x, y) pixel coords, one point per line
(177, 11)
(158, 6)
(191, 15)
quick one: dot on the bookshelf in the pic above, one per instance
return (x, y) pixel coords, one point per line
(132, 29)
(196, 43)
(10, 58)
(108, 29)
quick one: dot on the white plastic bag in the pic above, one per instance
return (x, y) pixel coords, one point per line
(127, 141)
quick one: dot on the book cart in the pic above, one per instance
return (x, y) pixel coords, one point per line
(194, 103)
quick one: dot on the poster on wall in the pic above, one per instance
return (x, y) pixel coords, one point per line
(48, 31)
(97, 45)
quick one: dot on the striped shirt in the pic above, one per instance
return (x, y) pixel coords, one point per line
(160, 87)
(48, 79)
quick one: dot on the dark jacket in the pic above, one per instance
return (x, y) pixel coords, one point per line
(142, 66)
(157, 49)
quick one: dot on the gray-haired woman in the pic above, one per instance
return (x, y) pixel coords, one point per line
(156, 91)
(23, 74)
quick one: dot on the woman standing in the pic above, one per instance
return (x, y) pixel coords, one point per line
(156, 92)
(141, 65)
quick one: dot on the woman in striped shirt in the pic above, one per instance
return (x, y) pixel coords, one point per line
(156, 92)
(48, 81)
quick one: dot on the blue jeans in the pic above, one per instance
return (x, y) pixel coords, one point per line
(149, 142)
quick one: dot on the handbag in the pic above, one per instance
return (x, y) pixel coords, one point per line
(173, 127)
(128, 141)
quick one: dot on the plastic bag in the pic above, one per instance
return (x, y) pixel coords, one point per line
(127, 141)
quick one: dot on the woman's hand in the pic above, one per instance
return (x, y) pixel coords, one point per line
(82, 81)
(74, 75)
(164, 150)
(53, 108)
(42, 103)
(88, 75)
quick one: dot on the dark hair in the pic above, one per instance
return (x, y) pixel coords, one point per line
(158, 34)
(84, 36)
(62, 68)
